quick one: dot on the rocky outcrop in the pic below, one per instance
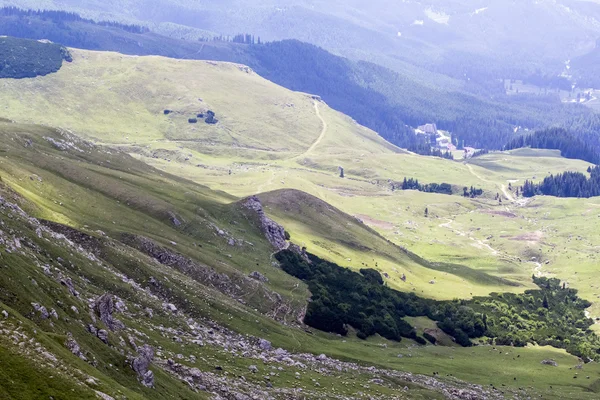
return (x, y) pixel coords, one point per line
(551, 363)
(104, 307)
(258, 276)
(141, 365)
(43, 311)
(301, 251)
(73, 347)
(273, 231)
(68, 283)
(235, 284)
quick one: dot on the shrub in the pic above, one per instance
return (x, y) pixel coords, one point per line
(430, 338)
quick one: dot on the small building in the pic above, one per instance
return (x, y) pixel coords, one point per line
(430, 129)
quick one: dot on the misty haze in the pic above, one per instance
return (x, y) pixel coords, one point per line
(299, 199)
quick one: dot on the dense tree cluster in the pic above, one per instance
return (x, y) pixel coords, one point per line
(480, 153)
(568, 184)
(343, 299)
(553, 315)
(472, 192)
(557, 139)
(21, 58)
(413, 184)
(551, 81)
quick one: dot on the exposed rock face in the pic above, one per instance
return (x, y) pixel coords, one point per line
(235, 285)
(141, 365)
(272, 230)
(104, 308)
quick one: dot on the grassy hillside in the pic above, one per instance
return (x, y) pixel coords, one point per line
(103, 194)
(269, 138)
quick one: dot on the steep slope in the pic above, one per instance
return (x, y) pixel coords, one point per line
(346, 240)
(88, 313)
(104, 256)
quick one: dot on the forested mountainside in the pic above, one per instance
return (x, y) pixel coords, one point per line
(586, 68)
(440, 35)
(379, 98)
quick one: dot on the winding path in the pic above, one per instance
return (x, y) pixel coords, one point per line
(321, 136)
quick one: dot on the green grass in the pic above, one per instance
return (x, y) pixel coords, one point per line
(474, 246)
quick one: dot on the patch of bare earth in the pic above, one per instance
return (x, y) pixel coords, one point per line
(506, 214)
(375, 222)
(529, 237)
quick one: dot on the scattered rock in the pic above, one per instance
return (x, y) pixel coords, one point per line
(104, 308)
(142, 363)
(258, 276)
(41, 310)
(104, 396)
(73, 347)
(169, 307)
(550, 362)
(265, 345)
(69, 284)
(253, 369)
(102, 335)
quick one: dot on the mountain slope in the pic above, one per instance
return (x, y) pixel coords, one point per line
(436, 35)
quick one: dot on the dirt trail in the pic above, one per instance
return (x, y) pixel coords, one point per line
(505, 191)
(262, 187)
(479, 243)
(321, 136)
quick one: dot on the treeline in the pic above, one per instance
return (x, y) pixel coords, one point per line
(246, 38)
(441, 188)
(568, 184)
(551, 81)
(63, 16)
(557, 139)
(472, 192)
(343, 299)
(480, 153)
